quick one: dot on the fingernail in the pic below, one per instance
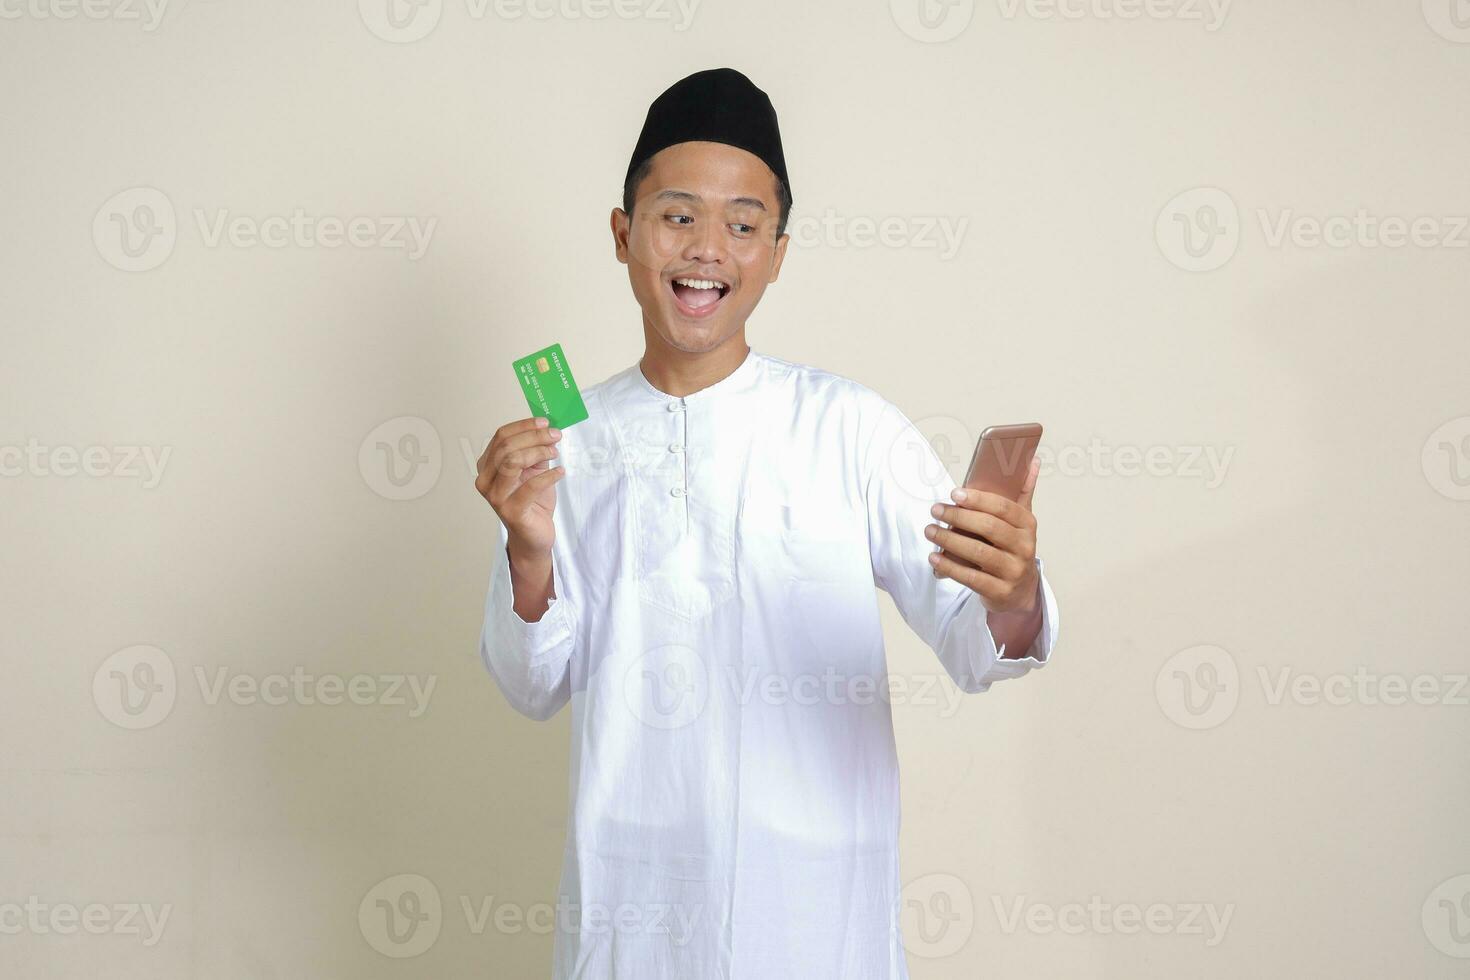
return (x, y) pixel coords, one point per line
(937, 510)
(934, 558)
(555, 433)
(542, 421)
(930, 531)
(959, 494)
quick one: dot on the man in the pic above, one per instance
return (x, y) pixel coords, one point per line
(697, 578)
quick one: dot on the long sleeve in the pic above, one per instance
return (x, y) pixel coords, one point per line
(903, 479)
(529, 661)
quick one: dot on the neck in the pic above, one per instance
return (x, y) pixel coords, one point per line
(680, 372)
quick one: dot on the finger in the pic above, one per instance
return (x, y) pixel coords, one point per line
(529, 490)
(1028, 490)
(993, 503)
(510, 461)
(988, 526)
(522, 425)
(509, 433)
(980, 554)
(520, 440)
(992, 587)
(500, 478)
(531, 471)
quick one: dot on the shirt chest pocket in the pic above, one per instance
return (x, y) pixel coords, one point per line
(799, 537)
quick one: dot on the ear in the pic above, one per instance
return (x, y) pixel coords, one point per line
(780, 256)
(620, 223)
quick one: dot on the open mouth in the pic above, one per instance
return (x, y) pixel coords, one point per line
(698, 297)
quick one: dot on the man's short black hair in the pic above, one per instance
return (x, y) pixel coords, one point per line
(630, 189)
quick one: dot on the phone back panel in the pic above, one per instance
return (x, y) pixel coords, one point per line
(1003, 458)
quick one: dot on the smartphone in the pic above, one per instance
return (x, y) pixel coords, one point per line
(1003, 458)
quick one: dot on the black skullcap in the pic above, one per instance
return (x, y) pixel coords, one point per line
(717, 106)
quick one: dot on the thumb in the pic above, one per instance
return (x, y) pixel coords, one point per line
(1028, 489)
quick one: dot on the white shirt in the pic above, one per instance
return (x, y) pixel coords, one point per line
(734, 780)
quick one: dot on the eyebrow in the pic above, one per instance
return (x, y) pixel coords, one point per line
(672, 195)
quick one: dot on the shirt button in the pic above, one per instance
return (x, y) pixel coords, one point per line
(676, 407)
(677, 491)
(674, 447)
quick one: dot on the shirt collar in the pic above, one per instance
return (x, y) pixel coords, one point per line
(741, 379)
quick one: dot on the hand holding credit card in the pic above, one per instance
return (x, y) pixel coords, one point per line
(546, 380)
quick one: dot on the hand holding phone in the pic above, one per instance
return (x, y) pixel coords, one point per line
(990, 543)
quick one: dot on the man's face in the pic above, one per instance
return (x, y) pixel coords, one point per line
(701, 244)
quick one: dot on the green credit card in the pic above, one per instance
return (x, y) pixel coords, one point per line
(546, 380)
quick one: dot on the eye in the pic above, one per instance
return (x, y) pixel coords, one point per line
(741, 229)
(680, 219)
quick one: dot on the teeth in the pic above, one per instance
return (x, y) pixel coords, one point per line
(699, 283)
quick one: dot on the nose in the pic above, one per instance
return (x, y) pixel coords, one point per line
(706, 244)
